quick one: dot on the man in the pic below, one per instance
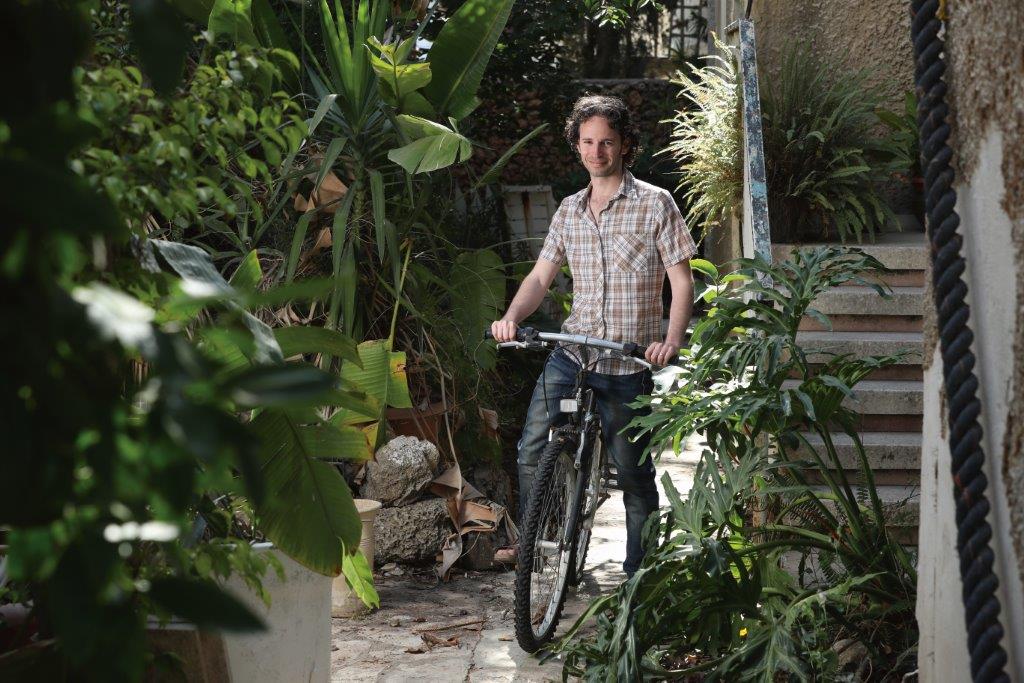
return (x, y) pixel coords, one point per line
(621, 236)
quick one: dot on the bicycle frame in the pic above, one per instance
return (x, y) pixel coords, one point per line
(572, 468)
(581, 408)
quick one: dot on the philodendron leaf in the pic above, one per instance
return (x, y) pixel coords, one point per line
(307, 509)
(459, 55)
(359, 577)
(204, 604)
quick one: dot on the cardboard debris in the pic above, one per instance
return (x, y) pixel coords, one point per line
(325, 198)
(469, 513)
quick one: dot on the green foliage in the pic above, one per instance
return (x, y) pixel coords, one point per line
(707, 141)
(190, 158)
(824, 161)
(903, 144)
(460, 54)
(616, 13)
(433, 146)
(136, 474)
(478, 295)
(712, 595)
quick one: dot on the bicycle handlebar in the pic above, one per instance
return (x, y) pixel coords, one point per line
(528, 334)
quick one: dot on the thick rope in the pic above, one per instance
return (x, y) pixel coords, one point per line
(981, 604)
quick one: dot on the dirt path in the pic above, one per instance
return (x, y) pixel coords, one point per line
(468, 621)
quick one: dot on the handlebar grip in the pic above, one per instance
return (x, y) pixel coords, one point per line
(522, 334)
(634, 350)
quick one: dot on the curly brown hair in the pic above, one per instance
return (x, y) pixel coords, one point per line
(615, 111)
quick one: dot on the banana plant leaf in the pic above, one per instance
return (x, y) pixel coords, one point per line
(460, 54)
(381, 379)
(307, 509)
(478, 294)
(434, 145)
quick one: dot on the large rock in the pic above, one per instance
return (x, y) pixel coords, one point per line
(412, 533)
(401, 470)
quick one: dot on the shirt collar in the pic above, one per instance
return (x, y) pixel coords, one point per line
(627, 188)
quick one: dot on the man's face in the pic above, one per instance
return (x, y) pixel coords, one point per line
(600, 147)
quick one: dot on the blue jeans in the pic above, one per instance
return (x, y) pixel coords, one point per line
(613, 393)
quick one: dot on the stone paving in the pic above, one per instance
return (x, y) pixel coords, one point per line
(468, 621)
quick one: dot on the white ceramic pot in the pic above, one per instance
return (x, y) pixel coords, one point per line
(345, 603)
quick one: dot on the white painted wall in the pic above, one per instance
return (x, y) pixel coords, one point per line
(991, 276)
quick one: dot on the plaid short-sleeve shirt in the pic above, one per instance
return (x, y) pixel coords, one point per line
(618, 265)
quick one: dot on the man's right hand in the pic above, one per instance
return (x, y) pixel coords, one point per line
(504, 330)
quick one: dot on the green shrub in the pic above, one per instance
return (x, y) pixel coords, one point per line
(712, 595)
(824, 159)
(707, 142)
(193, 157)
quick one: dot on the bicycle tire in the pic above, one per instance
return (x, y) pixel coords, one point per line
(583, 534)
(531, 641)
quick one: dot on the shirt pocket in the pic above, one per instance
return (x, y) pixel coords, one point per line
(629, 252)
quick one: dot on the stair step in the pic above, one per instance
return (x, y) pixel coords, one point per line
(864, 301)
(900, 504)
(860, 344)
(882, 397)
(892, 397)
(897, 251)
(884, 450)
(865, 323)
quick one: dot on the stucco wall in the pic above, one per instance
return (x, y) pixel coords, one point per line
(986, 75)
(992, 253)
(850, 35)
(986, 94)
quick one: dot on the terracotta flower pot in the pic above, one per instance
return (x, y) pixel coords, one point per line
(423, 424)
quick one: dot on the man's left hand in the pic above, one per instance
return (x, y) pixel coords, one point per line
(662, 353)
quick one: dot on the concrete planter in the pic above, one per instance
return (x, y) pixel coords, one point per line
(297, 643)
(344, 603)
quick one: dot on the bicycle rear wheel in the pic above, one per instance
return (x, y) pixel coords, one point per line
(545, 562)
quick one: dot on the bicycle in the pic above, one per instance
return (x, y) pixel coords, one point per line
(571, 482)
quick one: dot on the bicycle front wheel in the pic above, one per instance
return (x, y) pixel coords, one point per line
(545, 562)
(589, 503)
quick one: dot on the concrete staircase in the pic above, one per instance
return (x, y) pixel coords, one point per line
(890, 400)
